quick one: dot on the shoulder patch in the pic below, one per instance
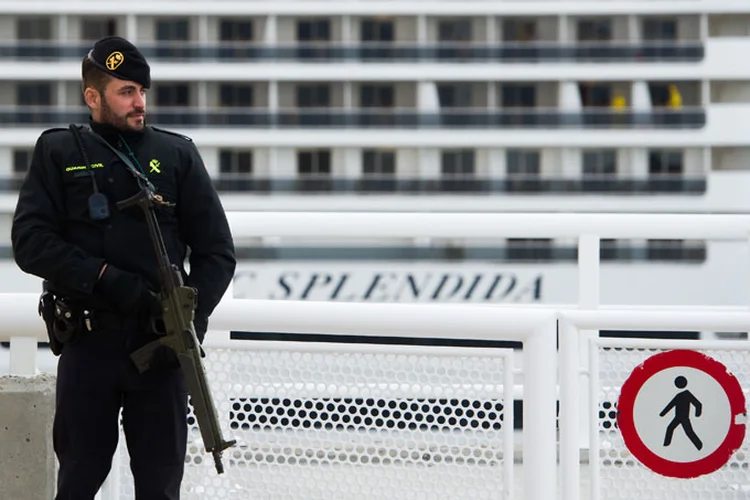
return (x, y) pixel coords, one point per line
(172, 133)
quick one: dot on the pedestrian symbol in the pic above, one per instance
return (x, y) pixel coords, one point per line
(681, 404)
(681, 414)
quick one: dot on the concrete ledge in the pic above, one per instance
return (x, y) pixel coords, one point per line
(27, 459)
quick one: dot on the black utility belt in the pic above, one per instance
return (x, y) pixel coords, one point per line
(67, 321)
(81, 318)
(70, 321)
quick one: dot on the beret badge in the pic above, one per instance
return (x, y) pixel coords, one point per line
(114, 60)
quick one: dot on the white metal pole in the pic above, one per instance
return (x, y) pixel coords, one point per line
(508, 422)
(593, 413)
(588, 299)
(588, 271)
(480, 225)
(23, 356)
(540, 413)
(570, 400)
(655, 319)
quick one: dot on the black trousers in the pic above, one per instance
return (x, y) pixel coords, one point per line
(95, 378)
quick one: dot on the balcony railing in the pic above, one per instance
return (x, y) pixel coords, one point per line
(662, 184)
(374, 118)
(378, 52)
(694, 252)
(622, 251)
(655, 184)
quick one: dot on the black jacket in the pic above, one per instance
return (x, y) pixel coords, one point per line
(54, 237)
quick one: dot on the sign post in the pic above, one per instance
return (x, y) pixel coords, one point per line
(682, 414)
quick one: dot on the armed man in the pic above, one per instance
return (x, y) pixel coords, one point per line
(105, 284)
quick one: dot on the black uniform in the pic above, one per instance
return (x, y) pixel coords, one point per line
(54, 237)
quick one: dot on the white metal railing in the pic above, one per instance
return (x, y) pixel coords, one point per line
(488, 225)
(534, 327)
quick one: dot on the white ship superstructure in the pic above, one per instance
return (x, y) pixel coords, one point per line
(535, 106)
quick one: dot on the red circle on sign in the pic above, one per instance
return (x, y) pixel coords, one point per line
(635, 444)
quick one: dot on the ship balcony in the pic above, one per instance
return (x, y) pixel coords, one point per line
(378, 52)
(666, 185)
(516, 186)
(379, 118)
(715, 58)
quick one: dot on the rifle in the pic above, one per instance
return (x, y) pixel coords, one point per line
(178, 310)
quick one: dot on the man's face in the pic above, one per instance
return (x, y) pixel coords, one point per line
(123, 105)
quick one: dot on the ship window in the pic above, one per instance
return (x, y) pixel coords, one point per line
(522, 163)
(172, 29)
(377, 30)
(659, 94)
(376, 162)
(529, 248)
(314, 30)
(236, 31)
(454, 30)
(34, 94)
(595, 94)
(454, 95)
(659, 29)
(34, 28)
(313, 96)
(313, 163)
(599, 162)
(94, 29)
(377, 96)
(457, 163)
(665, 249)
(608, 249)
(518, 96)
(176, 95)
(21, 160)
(665, 162)
(519, 30)
(236, 95)
(234, 161)
(594, 30)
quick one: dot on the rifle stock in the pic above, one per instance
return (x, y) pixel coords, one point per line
(178, 311)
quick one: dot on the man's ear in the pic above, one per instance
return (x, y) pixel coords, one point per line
(92, 97)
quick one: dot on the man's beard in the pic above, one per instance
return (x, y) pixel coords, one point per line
(120, 122)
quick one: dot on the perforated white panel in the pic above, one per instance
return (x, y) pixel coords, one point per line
(623, 477)
(365, 425)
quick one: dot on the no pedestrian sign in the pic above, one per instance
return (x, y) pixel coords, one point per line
(682, 414)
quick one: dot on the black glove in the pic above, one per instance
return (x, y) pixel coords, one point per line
(127, 292)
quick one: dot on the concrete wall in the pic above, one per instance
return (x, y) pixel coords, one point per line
(27, 461)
